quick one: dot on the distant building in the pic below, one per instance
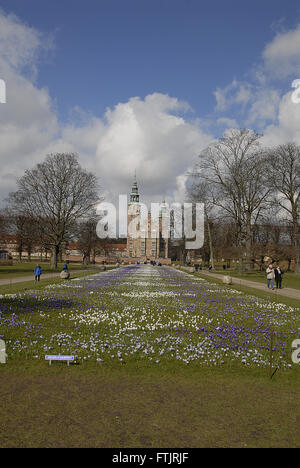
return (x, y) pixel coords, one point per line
(145, 244)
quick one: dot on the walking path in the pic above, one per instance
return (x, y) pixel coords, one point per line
(24, 279)
(288, 292)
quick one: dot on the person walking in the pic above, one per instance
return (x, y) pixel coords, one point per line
(37, 273)
(278, 277)
(270, 276)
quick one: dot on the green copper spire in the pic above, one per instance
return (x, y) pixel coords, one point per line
(134, 196)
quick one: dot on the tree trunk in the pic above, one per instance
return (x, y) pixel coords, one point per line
(211, 251)
(297, 263)
(296, 238)
(240, 252)
(20, 250)
(86, 259)
(248, 242)
(54, 257)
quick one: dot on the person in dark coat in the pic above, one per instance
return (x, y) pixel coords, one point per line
(278, 277)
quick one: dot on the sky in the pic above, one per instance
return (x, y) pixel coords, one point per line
(143, 85)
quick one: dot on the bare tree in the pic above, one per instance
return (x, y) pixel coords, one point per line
(26, 235)
(284, 176)
(235, 167)
(4, 228)
(87, 238)
(21, 228)
(201, 192)
(56, 193)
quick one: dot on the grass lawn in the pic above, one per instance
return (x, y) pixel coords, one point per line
(19, 269)
(271, 298)
(166, 359)
(22, 287)
(138, 406)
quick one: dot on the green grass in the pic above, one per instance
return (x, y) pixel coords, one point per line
(22, 287)
(290, 279)
(142, 407)
(19, 269)
(274, 298)
(137, 403)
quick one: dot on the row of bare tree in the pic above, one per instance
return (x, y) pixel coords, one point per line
(55, 202)
(250, 188)
(250, 194)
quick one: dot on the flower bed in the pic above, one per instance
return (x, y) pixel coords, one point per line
(144, 313)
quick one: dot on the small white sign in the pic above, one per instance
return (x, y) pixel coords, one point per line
(59, 357)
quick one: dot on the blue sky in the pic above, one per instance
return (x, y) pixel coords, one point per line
(105, 52)
(143, 85)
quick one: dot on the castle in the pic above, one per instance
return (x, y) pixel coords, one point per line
(147, 244)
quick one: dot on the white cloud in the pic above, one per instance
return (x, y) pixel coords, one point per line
(27, 120)
(154, 135)
(282, 55)
(147, 136)
(227, 123)
(288, 126)
(262, 102)
(221, 95)
(151, 135)
(20, 45)
(236, 93)
(281, 59)
(264, 106)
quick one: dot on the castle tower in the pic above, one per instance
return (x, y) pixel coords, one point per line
(134, 245)
(134, 195)
(144, 246)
